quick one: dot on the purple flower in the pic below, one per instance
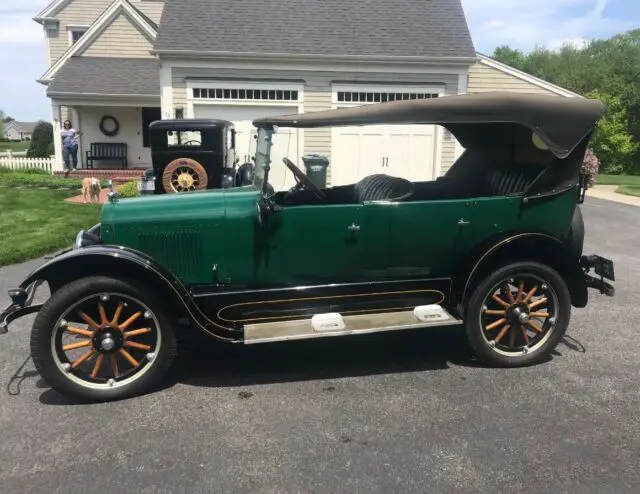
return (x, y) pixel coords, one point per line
(590, 166)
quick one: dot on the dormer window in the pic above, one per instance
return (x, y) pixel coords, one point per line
(75, 33)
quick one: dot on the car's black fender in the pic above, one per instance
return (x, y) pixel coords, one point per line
(125, 263)
(512, 247)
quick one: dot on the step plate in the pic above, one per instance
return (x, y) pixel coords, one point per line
(361, 324)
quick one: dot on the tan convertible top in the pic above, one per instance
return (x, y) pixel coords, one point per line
(561, 123)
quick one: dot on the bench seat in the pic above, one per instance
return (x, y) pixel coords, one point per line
(111, 151)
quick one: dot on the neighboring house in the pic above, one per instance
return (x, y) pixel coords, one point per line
(18, 131)
(140, 60)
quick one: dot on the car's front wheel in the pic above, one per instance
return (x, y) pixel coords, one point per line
(518, 314)
(100, 338)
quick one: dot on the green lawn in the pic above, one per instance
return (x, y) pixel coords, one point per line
(629, 190)
(633, 180)
(14, 146)
(37, 222)
(629, 184)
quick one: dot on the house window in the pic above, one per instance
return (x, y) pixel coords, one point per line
(244, 94)
(75, 33)
(184, 138)
(375, 97)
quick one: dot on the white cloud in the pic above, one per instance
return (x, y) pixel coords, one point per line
(23, 52)
(524, 24)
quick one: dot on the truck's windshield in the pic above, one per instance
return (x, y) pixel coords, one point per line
(263, 157)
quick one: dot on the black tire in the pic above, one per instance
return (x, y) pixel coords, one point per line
(48, 361)
(493, 354)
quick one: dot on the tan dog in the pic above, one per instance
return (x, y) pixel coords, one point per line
(91, 186)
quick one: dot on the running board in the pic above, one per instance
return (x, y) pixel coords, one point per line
(324, 325)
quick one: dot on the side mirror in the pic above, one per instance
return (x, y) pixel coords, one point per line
(233, 138)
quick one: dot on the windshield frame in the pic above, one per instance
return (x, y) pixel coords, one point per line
(262, 160)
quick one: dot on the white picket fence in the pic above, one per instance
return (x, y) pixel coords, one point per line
(22, 163)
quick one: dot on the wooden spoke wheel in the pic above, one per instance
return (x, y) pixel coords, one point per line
(517, 316)
(96, 338)
(184, 175)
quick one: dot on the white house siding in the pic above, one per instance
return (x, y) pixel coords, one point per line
(317, 94)
(85, 13)
(130, 119)
(483, 78)
(121, 39)
(11, 133)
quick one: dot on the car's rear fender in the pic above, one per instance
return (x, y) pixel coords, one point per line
(508, 248)
(125, 263)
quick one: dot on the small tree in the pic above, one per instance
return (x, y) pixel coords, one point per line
(612, 141)
(590, 167)
(41, 145)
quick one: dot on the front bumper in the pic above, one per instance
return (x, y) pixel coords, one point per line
(603, 269)
(21, 305)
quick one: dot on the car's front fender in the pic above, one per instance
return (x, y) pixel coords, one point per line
(116, 261)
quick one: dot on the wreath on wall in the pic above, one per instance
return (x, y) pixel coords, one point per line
(114, 126)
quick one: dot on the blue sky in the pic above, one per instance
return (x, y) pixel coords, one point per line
(518, 23)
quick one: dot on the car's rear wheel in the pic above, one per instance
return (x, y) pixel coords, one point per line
(518, 314)
(101, 338)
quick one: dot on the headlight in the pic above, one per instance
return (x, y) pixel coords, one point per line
(89, 237)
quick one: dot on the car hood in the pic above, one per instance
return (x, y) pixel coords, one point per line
(124, 217)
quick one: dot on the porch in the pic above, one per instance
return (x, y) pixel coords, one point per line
(110, 103)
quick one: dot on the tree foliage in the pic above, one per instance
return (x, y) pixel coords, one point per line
(608, 69)
(41, 145)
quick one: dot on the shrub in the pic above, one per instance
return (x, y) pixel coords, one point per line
(130, 189)
(41, 145)
(590, 167)
(31, 178)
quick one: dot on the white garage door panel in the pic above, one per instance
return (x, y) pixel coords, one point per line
(400, 150)
(286, 142)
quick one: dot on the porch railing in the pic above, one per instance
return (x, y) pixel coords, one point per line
(12, 162)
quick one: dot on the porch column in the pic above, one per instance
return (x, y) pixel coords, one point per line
(58, 164)
(77, 123)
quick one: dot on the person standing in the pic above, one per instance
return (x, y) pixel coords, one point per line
(69, 146)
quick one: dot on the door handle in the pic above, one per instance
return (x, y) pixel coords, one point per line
(353, 227)
(462, 222)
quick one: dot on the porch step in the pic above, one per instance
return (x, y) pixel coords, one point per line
(323, 325)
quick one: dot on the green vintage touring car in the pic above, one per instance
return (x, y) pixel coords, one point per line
(496, 245)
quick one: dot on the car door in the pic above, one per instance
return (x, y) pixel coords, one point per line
(310, 245)
(414, 239)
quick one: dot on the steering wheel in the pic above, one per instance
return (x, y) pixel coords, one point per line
(302, 179)
(197, 143)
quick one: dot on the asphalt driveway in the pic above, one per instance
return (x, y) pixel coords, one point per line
(387, 413)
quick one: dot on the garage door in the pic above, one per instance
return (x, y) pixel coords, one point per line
(407, 151)
(285, 141)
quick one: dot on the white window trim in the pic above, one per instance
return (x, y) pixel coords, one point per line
(72, 29)
(377, 88)
(278, 86)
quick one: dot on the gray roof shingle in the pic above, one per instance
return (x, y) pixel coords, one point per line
(117, 76)
(402, 28)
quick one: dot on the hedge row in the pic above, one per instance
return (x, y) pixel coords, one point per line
(38, 178)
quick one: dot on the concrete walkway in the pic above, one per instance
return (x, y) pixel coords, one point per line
(608, 192)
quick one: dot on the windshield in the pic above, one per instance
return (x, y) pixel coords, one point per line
(262, 158)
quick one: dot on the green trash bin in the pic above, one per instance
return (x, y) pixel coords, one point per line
(316, 169)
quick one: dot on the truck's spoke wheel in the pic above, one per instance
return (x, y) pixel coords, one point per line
(106, 340)
(519, 315)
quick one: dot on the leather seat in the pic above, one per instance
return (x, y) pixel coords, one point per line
(381, 187)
